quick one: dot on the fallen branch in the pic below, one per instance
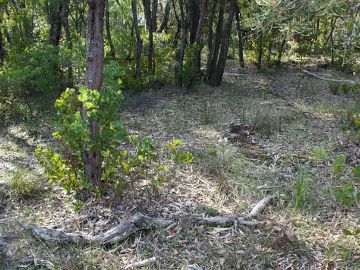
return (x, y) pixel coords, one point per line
(269, 187)
(325, 79)
(31, 260)
(141, 263)
(260, 206)
(140, 222)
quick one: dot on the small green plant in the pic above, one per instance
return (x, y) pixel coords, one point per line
(319, 153)
(335, 88)
(22, 184)
(347, 193)
(179, 155)
(338, 165)
(301, 187)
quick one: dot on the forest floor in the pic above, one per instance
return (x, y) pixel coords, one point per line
(277, 128)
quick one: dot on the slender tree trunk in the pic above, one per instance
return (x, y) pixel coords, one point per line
(2, 49)
(196, 64)
(210, 42)
(94, 80)
(55, 22)
(281, 51)
(178, 29)
(138, 38)
(165, 20)
(65, 23)
(216, 78)
(239, 35)
(181, 51)
(108, 32)
(217, 41)
(260, 51)
(150, 18)
(270, 47)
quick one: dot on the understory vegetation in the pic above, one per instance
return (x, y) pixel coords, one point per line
(179, 134)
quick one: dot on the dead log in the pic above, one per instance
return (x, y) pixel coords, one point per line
(141, 263)
(140, 222)
(260, 206)
(326, 79)
(136, 223)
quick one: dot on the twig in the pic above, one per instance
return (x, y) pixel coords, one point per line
(141, 263)
(260, 206)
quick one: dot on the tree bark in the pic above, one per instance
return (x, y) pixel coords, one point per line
(281, 50)
(65, 23)
(210, 43)
(196, 64)
(139, 41)
(260, 51)
(181, 51)
(94, 81)
(239, 34)
(108, 32)
(217, 41)
(216, 77)
(165, 20)
(55, 22)
(2, 49)
(150, 18)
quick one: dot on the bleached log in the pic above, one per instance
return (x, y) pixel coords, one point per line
(326, 79)
(260, 206)
(141, 263)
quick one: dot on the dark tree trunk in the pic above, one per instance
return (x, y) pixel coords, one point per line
(210, 43)
(65, 23)
(150, 18)
(181, 51)
(94, 80)
(260, 50)
(2, 49)
(270, 45)
(194, 18)
(217, 41)
(55, 22)
(239, 35)
(108, 32)
(165, 20)
(138, 38)
(196, 64)
(281, 51)
(216, 77)
(178, 29)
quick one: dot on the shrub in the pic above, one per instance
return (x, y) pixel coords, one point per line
(122, 155)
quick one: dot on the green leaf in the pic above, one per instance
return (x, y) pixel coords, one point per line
(356, 171)
(338, 165)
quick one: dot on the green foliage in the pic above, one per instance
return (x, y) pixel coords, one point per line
(122, 156)
(347, 193)
(179, 155)
(338, 165)
(22, 184)
(301, 189)
(319, 153)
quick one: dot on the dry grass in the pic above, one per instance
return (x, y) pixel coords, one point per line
(223, 179)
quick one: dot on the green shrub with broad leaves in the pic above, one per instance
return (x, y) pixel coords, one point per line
(124, 157)
(346, 192)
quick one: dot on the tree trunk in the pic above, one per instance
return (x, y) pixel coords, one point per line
(181, 51)
(210, 43)
(216, 77)
(150, 18)
(260, 51)
(108, 32)
(165, 20)
(217, 41)
(239, 34)
(55, 22)
(281, 51)
(138, 38)
(94, 80)
(196, 64)
(2, 49)
(65, 23)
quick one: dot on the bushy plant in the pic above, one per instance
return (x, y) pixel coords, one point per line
(123, 157)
